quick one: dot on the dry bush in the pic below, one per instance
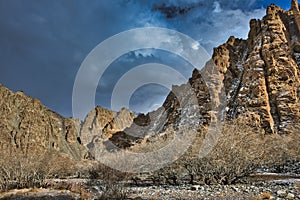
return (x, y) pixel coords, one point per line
(110, 182)
(234, 156)
(282, 151)
(112, 191)
(21, 171)
(30, 169)
(240, 150)
(101, 172)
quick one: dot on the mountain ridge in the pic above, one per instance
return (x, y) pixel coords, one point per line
(270, 56)
(256, 79)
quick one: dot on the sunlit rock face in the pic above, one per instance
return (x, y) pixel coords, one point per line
(101, 124)
(27, 125)
(256, 79)
(261, 74)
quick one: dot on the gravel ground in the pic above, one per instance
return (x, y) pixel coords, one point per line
(278, 184)
(262, 185)
(38, 194)
(278, 190)
(261, 190)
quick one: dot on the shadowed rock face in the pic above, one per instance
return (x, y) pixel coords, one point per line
(27, 125)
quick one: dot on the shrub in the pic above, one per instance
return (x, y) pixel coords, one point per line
(30, 169)
(239, 151)
(110, 182)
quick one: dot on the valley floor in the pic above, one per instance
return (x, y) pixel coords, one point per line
(260, 190)
(281, 187)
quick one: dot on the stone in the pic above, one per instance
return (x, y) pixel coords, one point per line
(260, 77)
(290, 196)
(123, 119)
(266, 195)
(196, 187)
(100, 125)
(235, 189)
(281, 193)
(261, 74)
(94, 123)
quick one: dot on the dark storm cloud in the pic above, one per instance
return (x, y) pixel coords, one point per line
(171, 11)
(211, 22)
(42, 43)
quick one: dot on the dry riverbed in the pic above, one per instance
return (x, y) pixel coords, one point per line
(281, 187)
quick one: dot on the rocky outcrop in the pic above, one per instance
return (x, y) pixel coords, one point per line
(123, 119)
(27, 125)
(101, 124)
(261, 74)
(94, 123)
(255, 79)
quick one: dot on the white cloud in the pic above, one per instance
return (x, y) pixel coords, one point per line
(217, 7)
(196, 45)
(214, 28)
(251, 2)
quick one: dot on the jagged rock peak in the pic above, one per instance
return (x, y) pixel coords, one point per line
(101, 123)
(261, 75)
(295, 5)
(273, 9)
(122, 120)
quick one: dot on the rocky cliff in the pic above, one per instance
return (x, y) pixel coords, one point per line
(261, 74)
(27, 125)
(256, 79)
(101, 124)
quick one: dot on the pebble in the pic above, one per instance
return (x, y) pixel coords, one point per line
(275, 190)
(290, 196)
(281, 193)
(235, 189)
(196, 187)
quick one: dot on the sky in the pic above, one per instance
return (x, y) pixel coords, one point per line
(43, 43)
